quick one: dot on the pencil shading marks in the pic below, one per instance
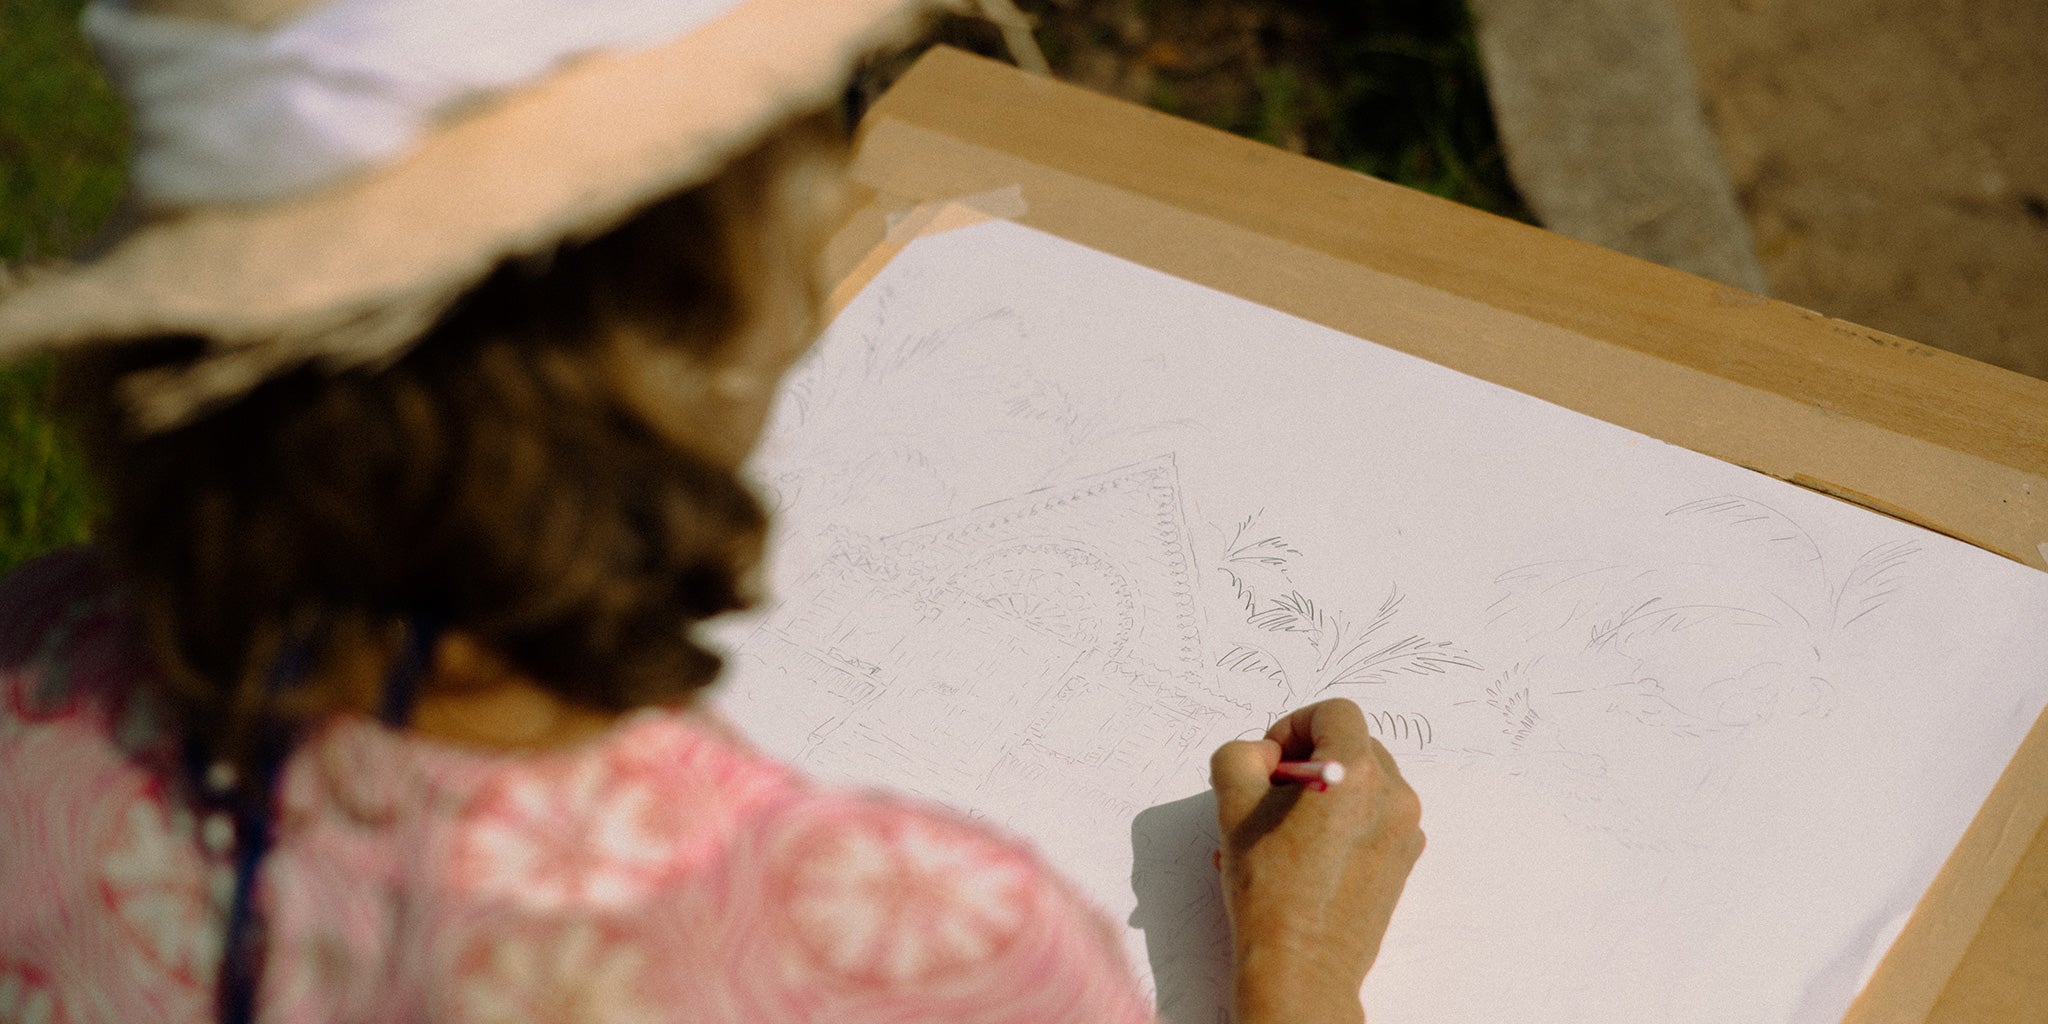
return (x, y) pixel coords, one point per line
(1367, 659)
(1546, 759)
(1289, 613)
(1060, 587)
(1287, 648)
(1825, 599)
(1266, 675)
(1681, 665)
(1316, 649)
(1401, 729)
(1267, 551)
(907, 470)
(1656, 614)
(1755, 521)
(1518, 718)
(879, 356)
(1664, 671)
(1526, 741)
(1047, 641)
(864, 401)
(1872, 581)
(1245, 554)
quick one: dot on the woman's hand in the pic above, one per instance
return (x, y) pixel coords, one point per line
(1310, 877)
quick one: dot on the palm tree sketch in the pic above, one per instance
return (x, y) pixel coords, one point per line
(1874, 578)
(1310, 649)
(1650, 674)
(1835, 602)
(1245, 556)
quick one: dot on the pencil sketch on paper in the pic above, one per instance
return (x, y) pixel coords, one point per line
(1639, 682)
(1294, 649)
(1032, 424)
(1611, 677)
(1041, 642)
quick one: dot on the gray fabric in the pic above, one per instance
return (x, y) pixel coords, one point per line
(1605, 134)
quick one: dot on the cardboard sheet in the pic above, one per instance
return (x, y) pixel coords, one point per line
(1690, 741)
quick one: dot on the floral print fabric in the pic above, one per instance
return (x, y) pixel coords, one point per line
(663, 873)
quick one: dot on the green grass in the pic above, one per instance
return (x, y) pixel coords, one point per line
(48, 500)
(1395, 91)
(1390, 88)
(1435, 131)
(61, 150)
(61, 132)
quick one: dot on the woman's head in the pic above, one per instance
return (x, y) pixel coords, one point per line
(550, 471)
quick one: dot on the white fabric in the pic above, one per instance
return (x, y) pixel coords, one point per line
(228, 114)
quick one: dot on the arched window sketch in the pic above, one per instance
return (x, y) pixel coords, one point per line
(1046, 641)
(896, 383)
(1062, 588)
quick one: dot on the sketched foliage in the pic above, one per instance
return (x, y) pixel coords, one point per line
(1340, 651)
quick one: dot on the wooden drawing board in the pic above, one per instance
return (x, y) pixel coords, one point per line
(1900, 428)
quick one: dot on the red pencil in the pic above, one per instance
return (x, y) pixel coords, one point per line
(1316, 775)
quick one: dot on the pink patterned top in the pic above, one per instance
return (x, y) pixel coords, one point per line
(663, 873)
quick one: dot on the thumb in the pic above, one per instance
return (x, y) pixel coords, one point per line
(1241, 772)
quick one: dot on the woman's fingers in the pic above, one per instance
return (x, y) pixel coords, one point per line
(1314, 876)
(1331, 730)
(1241, 772)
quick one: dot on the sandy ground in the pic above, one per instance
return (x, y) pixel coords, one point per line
(1892, 158)
(1392, 89)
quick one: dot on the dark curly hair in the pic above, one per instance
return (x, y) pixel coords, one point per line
(538, 472)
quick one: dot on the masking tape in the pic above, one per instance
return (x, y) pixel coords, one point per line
(923, 221)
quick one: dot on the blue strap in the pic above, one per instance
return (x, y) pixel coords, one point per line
(243, 956)
(251, 808)
(237, 992)
(402, 684)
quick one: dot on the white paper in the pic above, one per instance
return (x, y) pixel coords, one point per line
(1689, 740)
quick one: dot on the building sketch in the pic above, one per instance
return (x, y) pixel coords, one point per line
(1040, 644)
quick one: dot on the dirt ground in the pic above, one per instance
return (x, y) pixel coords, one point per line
(1391, 88)
(1892, 157)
